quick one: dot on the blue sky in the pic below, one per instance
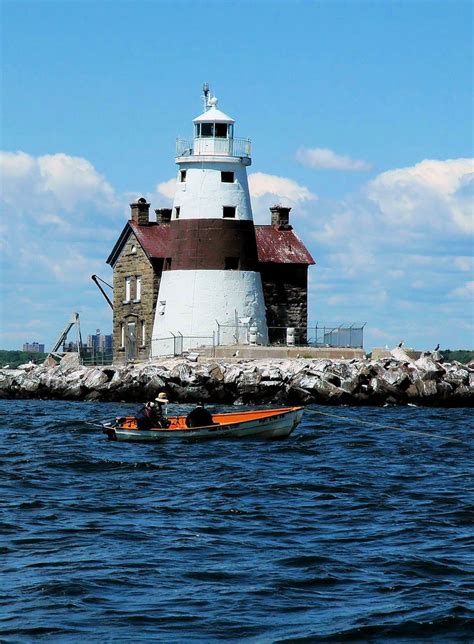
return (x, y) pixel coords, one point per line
(360, 119)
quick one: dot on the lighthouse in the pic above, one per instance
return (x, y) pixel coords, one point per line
(211, 280)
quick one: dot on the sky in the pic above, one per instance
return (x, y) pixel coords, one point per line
(360, 115)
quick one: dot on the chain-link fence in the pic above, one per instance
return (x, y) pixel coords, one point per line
(318, 336)
(176, 345)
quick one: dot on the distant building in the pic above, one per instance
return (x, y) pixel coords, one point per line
(33, 347)
(100, 342)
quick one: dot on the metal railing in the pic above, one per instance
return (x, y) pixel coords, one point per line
(96, 358)
(241, 334)
(202, 146)
(318, 336)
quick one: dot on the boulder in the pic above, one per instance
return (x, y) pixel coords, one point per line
(94, 379)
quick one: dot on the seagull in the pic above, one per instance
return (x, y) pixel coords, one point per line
(400, 345)
(236, 354)
(436, 347)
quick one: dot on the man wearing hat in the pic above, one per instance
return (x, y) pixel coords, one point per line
(151, 415)
(160, 401)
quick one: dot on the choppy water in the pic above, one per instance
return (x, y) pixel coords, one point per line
(340, 532)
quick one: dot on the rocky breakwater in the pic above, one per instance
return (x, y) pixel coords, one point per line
(393, 380)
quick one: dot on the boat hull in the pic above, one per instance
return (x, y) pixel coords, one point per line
(275, 423)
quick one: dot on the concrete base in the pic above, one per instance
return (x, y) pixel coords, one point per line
(378, 353)
(251, 352)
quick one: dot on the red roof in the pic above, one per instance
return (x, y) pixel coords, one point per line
(152, 238)
(280, 246)
(273, 245)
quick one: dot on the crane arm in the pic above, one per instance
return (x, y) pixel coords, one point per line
(96, 279)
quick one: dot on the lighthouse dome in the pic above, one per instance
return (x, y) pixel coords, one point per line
(213, 115)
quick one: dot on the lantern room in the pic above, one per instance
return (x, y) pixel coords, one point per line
(213, 132)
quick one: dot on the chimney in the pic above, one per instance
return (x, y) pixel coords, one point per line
(140, 211)
(163, 215)
(281, 217)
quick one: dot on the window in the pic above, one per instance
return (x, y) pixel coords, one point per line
(128, 282)
(182, 176)
(207, 129)
(177, 210)
(167, 263)
(221, 130)
(138, 293)
(143, 333)
(227, 177)
(231, 263)
(228, 212)
(122, 335)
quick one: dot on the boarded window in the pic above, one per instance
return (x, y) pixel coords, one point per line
(228, 212)
(128, 286)
(138, 294)
(231, 263)
(227, 177)
(177, 210)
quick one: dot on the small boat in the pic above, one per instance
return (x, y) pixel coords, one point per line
(266, 423)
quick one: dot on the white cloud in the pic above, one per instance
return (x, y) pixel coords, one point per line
(432, 195)
(167, 189)
(52, 182)
(397, 253)
(327, 159)
(261, 184)
(267, 189)
(465, 292)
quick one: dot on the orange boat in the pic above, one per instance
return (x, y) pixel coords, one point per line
(265, 423)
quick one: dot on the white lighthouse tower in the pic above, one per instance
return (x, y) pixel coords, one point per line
(211, 274)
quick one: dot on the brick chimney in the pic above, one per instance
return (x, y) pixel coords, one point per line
(163, 215)
(281, 217)
(140, 211)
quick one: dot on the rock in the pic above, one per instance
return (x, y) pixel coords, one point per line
(28, 366)
(399, 354)
(389, 380)
(50, 361)
(422, 389)
(94, 379)
(215, 372)
(430, 369)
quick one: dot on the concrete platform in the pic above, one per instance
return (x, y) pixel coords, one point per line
(250, 352)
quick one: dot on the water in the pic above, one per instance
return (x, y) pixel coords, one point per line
(340, 532)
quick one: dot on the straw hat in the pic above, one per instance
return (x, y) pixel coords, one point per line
(162, 398)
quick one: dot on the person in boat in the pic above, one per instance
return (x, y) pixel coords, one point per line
(199, 417)
(151, 414)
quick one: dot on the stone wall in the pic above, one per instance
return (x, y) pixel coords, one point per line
(285, 288)
(132, 262)
(397, 380)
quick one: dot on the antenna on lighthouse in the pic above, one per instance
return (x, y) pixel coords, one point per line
(205, 91)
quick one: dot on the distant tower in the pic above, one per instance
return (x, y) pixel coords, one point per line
(211, 273)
